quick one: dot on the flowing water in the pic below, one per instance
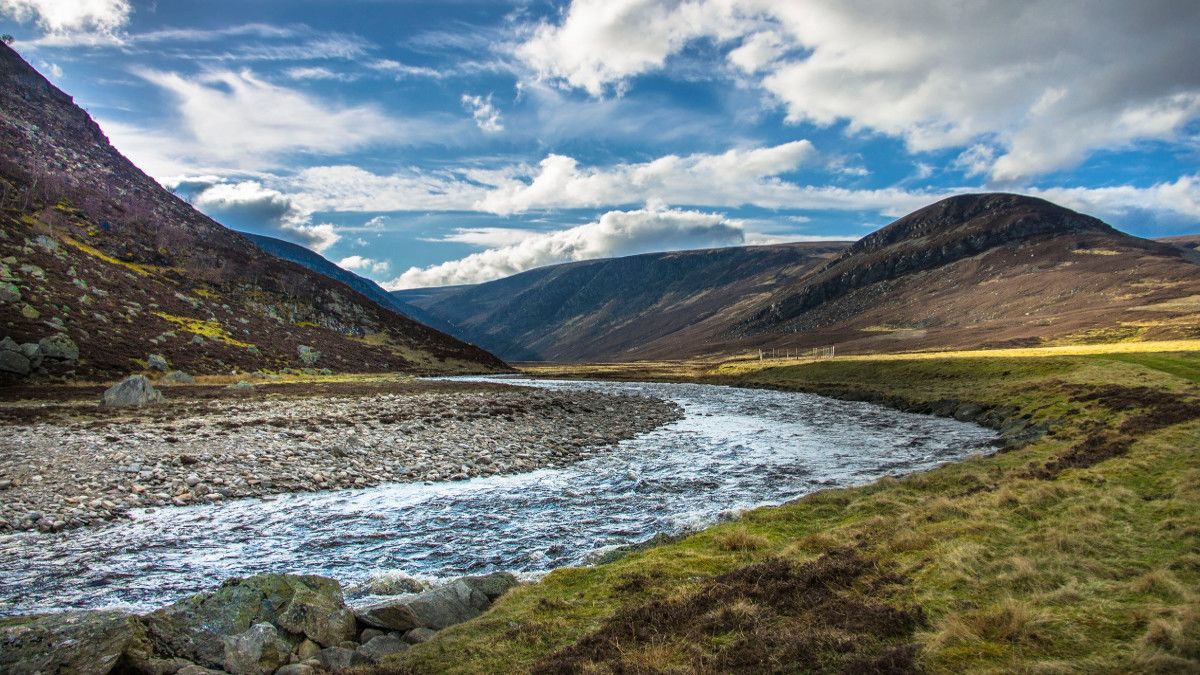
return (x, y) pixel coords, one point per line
(734, 449)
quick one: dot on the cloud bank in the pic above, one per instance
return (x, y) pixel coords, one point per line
(616, 233)
(1003, 78)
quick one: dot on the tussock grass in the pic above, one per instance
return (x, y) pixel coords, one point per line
(999, 565)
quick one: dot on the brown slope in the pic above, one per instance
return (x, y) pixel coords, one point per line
(979, 270)
(608, 309)
(100, 253)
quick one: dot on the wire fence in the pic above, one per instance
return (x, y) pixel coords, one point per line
(810, 353)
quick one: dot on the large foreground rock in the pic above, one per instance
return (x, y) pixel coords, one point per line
(195, 627)
(81, 643)
(444, 606)
(258, 651)
(132, 392)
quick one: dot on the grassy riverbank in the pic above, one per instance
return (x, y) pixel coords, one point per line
(1077, 552)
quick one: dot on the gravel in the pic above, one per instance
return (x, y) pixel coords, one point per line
(93, 466)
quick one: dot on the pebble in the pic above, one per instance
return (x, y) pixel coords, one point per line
(94, 467)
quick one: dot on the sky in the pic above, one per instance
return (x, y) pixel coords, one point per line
(460, 141)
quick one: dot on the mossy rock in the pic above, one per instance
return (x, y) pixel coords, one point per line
(73, 642)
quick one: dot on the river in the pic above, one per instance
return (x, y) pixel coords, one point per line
(733, 450)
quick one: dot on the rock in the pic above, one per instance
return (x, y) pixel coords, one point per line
(197, 340)
(157, 666)
(308, 355)
(320, 614)
(381, 646)
(444, 606)
(33, 352)
(493, 585)
(296, 669)
(9, 292)
(308, 650)
(198, 670)
(257, 651)
(369, 634)
(242, 385)
(418, 635)
(14, 362)
(73, 642)
(338, 658)
(132, 392)
(157, 362)
(389, 615)
(59, 347)
(393, 583)
(29, 311)
(193, 628)
(178, 377)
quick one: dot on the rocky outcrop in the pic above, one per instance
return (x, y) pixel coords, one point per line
(81, 643)
(132, 392)
(267, 624)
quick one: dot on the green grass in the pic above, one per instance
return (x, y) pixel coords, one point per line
(1091, 568)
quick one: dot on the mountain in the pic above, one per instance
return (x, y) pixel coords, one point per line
(969, 271)
(671, 303)
(1188, 243)
(101, 267)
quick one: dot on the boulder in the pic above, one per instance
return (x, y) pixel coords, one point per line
(382, 646)
(241, 385)
(33, 352)
(157, 362)
(418, 635)
(178, 377)
(194, 627)
(198, 670)
(438, 608)
(296, 669)
(308, 355)
(73, 642)
(339, 658)
(493, 585)
(257, 651)
(9, 292)
(14, 362)
(308, 649)
(132, 392)
(59, 347)
(320, 614)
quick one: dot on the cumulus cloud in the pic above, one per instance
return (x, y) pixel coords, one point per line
(1170, 201)
(357, 263)
(487, 117)
(63, 17)
(250, 205)
(240, 118)
(1009, 78)
(732, 178)
(616, 233)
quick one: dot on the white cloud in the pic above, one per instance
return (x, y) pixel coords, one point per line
(318, 73)
(729, 179)
(1177, 200)
(237, 117)
(64, 17)
(400, 70)
(358, 263)
(1010, 78)
(487, 117)
(489, 237)
(616, 233)
(250, 204)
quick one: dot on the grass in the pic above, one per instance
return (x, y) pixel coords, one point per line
(1046, 558)
(136, 268)
(211, 330)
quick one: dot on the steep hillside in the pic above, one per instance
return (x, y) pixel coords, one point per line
(100, 267)
(676, 303)
(969, 271)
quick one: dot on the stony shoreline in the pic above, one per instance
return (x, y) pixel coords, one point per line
(72, 464)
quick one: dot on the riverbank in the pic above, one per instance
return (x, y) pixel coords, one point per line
(68, 463)
(1075, 552)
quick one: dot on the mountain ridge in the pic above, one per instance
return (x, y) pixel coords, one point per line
(98, 254)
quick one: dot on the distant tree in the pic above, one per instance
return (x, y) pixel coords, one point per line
(7, 39)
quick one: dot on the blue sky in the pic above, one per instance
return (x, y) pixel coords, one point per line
(431, 143)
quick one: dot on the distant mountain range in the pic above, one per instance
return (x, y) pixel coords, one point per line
(969, 271)
(100, 268)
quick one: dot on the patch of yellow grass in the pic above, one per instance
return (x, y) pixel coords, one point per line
(1096, 251)
(136, 268)
(208, 329)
